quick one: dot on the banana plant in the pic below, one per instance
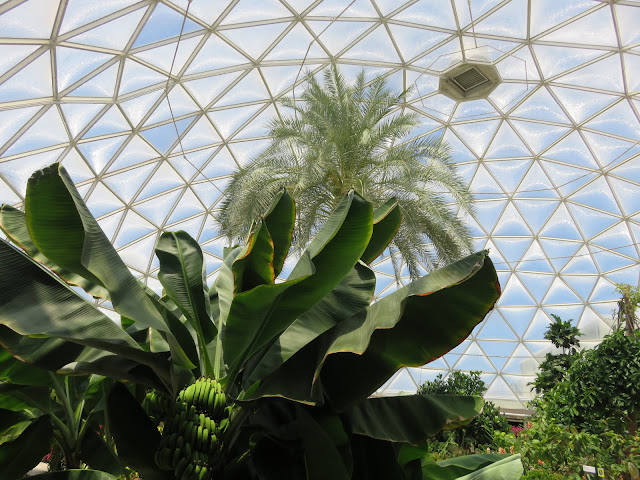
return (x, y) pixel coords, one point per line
(291, 364)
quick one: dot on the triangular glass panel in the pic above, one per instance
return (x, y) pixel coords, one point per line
(604, 291)
(495, 328)
(477, 134)
(536, 283)
(511, 223)
(412, 41)
(103, 201)
(495, 348)
(592, 326)
(558, 251)
(593, 29)
(279, 79)
(597, 194)
(561, 226)
(222, 164)
(164, 179)
(549, 13)
(298, 44)
(77, 14)
(72, 64)
(136, 108)
(500, 392)
(255, 10)
(136, 76)
(483, 183)
(429, 12)
(536, 212)
(192, 226)
(590, 221)
(48, 130)
(199, 135)
(626, 275)
(181, 104)
(99, 152)
(512, 248)
(76, 167)
(111, 122)
(581, 262)
(487, 213)
(13, 120)
(376, 46)
(127, 183)
(582, 104)
(245, 151)
(133, 228)
(521, 361)
(519, 65)
(188, 166)
(79, 115)
(509, 21)
(205, 10)
(475, 362)
(17, 172)
(539, 135)
(206, 192)
(630, 171)
(560, 293)
(618, 120)
(507, 95)
(136, 151)
(255, 42)
(515, 294)
(631, 69)
(338, 35)
(459, 152)
(441, 58)
(212, 264)
(215, 54)
(572, 149)
(188, 206)
(608, 261)
(581, 284)
(137, 255)
(555, 60)
(628, 194)
(209, 231)
(507, 144)
(103, 35)
(604, 74)
(249, 89)
(102, 85)
(535, 260)
(420, 84)
(164, 136)
(541, 106)
(536, 184)
(521, 384)
(110, 223)
(156, 209)
(167, 57)
(164, 23)
(403, 382)
(33, 81)
(32, 19)
(439, 106)
(610, 151)
(567, 178)
(474, 109)
(259, 125)
(627, 21)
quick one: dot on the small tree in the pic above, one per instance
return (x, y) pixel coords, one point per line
(625, 315)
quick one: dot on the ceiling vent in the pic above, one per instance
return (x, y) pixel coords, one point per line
(469, 81)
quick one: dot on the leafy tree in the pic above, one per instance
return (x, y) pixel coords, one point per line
(481, 430)
(341, 137)
(628, 304)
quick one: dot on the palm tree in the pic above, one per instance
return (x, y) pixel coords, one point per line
(344, 136)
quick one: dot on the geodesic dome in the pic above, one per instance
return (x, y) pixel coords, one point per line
(151, 104)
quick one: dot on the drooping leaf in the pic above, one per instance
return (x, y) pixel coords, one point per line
(386, 222)
(13, 224)
(476, 467)
(410, 327)
(54, 209)
(34, 302)
(254, 265)
(24, 453)
(256, 317)
(411, 418)
(21, 397)
(183, 275)
(280, 219)
(15, 371)
(133, 431)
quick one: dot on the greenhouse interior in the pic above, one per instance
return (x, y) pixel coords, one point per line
(431, 205)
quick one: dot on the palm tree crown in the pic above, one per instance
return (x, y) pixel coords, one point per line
(344, 136)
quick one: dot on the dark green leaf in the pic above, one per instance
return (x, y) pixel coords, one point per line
(24, 453)
(411, 418)
(386, 222)
(280, 220)
(476, 467)
(96, 453)
(254, 265)
(75, 475)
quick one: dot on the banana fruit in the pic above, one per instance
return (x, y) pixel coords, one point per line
(194, 428)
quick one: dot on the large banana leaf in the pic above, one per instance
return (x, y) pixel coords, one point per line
(386, 222)
(475, 467)
(412, 326)
(257, 316)
(55, 210)
(24, 453)
(411, 418)
(280, 219)
(33, 302)
(13, 223)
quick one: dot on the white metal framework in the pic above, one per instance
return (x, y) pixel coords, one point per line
(552, 153)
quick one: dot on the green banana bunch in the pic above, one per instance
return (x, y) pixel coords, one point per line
(157, 405)
(194, 429)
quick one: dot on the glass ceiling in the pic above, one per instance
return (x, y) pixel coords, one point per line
(552, 153)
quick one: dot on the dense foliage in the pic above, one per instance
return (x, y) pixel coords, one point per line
(343, 136)
(249, 378)
(481, 430)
